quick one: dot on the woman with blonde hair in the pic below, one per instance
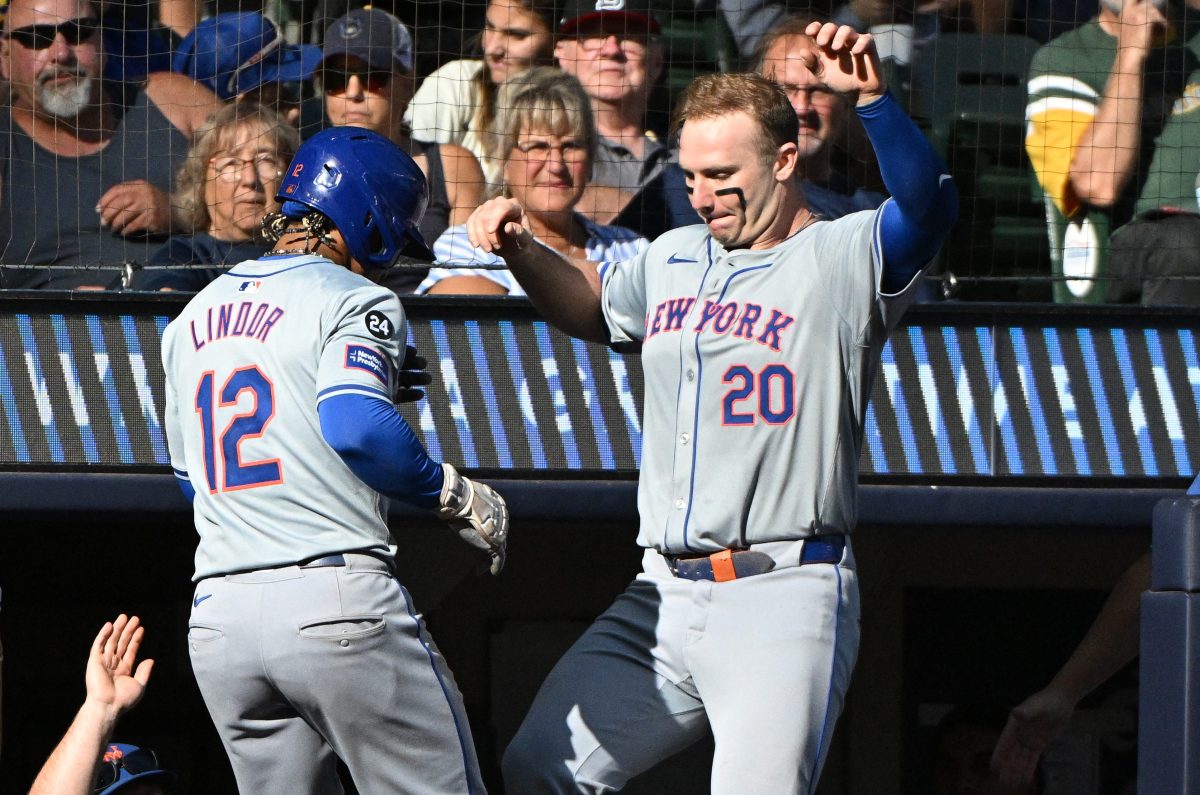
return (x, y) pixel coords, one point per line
(545, 141)
(226, 185)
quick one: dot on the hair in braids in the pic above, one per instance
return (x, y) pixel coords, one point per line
(314, 225)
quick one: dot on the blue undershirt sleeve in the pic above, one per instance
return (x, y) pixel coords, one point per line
(924, 202)
(185, 485)
(380, 448)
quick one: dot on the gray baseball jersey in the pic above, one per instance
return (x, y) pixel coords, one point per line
(247, 362)
(734, 343)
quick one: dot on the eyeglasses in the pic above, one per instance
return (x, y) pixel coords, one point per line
(539, 151)
(230, 169)
(334, 81)
(39, 37)
(633, 45)
(142, 760)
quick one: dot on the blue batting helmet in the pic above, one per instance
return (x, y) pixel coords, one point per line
(374, 193)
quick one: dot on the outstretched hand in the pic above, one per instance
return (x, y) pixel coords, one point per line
(1032, 725)
(115, 679)
(845, 60)
(498, 226)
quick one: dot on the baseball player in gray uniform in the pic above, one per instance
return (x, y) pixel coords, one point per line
(760, 331)
(281, 422)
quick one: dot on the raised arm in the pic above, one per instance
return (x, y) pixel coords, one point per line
(1105, 157)
(924, 200)
(566, 292)
(115, 683)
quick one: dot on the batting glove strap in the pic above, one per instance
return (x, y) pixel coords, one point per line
(477, 513)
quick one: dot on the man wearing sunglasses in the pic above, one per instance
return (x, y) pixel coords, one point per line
(367, 76)
(85, 174)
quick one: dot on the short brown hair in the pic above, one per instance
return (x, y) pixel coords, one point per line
(715, 95)
(791, 25)
(213, 135)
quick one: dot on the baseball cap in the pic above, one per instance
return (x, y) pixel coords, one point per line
(237, 52)
(373, 36)
(123, 763)
(631, 16)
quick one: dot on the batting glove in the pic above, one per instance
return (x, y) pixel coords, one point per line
(477, 512)
(411, 377)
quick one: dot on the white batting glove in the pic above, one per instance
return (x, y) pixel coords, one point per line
(477, 512)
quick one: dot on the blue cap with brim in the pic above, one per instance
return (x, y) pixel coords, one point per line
(238, 52)
(119, 753)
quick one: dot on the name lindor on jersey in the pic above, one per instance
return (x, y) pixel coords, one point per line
(743, 320)
(253, 319)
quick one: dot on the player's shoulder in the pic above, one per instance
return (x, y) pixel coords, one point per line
(680, 242)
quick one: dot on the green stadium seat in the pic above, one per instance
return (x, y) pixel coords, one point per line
(970, 90)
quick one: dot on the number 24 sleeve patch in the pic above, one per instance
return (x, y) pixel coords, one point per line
(378, 325)
(360, 357)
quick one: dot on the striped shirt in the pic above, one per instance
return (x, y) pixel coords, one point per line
(604, 244)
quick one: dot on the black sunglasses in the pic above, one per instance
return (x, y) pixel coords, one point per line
(334, 81)
(39, 37)
(142, 760)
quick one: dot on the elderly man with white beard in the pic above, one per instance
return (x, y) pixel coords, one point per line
(86, 168)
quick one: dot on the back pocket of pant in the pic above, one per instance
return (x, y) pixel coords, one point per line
(343, 627)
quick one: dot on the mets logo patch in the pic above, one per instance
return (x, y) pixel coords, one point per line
(360, 357)
(378, 325)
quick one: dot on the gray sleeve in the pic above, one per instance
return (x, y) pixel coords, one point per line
(364, 330)
(623, 297)
(748, 20)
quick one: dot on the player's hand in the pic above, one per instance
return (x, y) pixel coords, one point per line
(135, 207)
(412, 377)
(115, 679)
(846, 61)
(478, 513)
(499, 226)
(1032, 725)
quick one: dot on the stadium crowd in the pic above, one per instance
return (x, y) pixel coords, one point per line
(143, 152)
(144, 142)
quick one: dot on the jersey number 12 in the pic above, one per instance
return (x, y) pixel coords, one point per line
(235, 473)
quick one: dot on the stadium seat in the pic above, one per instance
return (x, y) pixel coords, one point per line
(970, 89)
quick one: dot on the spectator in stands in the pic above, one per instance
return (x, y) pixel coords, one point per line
(84, 763)
(613, 48)
(367, 76)
(457, 103)
(825, 119)
(225, 187)
(1112, 118)
(548, 137)
(86, 176)
(244, 56)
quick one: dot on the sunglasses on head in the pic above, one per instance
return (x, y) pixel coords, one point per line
(334, 81)
(39, 37)
(142, 760)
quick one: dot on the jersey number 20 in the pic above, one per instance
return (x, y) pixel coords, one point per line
(250, 424)
(774, 385)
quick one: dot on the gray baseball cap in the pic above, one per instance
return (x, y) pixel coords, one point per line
(376, 37)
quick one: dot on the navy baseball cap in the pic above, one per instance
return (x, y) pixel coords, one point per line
(615, 16)
(123, 763)
(375, 37)
(238, 52)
